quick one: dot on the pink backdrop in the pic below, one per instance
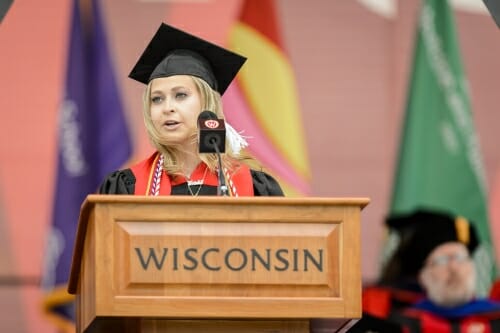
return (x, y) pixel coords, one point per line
(351, 66)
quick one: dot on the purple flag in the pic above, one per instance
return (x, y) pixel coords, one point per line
(93, 140)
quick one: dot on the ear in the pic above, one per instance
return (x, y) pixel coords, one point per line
(422, 278)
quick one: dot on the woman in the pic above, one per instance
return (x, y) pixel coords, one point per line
(184, 76)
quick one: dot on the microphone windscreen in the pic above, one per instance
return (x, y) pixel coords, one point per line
(211, 133)
(205, 115)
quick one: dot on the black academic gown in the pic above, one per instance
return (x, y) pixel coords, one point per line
(123, 182)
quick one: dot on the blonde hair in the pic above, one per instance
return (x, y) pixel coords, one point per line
(211, 101)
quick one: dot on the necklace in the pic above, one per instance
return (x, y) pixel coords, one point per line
(156, 181)
(199, 182)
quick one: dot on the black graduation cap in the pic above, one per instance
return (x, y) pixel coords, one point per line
(4, 7)
(494, 9)
(422, 231)
(174, 52)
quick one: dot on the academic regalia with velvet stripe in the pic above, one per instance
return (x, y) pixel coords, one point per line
(137, 180)
(477, 316)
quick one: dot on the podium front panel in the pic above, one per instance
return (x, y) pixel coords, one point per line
(226, 257)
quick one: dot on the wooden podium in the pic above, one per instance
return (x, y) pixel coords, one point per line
(217, 264)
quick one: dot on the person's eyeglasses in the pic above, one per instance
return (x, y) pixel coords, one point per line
(444, 260)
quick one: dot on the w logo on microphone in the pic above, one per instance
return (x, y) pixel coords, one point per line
(212, 123)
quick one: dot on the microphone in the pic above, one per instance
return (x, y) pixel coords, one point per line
(212, 139)
(212, 133)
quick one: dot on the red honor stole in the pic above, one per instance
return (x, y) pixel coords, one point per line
(147, 174)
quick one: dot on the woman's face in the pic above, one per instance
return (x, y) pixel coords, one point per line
(175, 106)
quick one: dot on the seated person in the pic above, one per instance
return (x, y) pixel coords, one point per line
(438, 252)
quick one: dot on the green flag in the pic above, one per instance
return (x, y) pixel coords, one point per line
(439, 163)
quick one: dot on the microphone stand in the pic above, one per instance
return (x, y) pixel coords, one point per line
(222, 189)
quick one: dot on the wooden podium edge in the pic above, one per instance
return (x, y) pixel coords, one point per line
(94, 199)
